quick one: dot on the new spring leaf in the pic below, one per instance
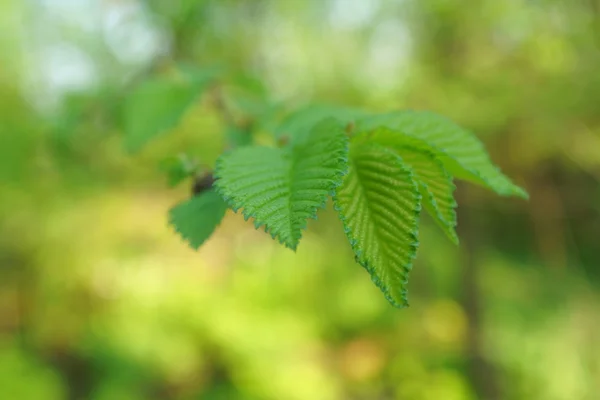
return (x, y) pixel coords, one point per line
(462, 154)
(435, 183)
(197, 218)
(282, 188)
(158, 104)
(379, 204)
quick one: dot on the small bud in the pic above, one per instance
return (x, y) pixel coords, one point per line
(202, 183)
(350, 129)
(283, 141)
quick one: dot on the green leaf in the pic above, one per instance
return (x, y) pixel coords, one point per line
(436, 186)
(379, 204)
(238, 136)
(462, 154)
(299, 123)
(435, 183)
(179, 168)
(282, 188)
(156, 106)
(197, 218)
(200, 75)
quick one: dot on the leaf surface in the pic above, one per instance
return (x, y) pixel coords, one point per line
(178, 168)
(435, 183)
(281, 188)
(157, 105)
(436, 186)
(462, 154)
(299, 123)
(379, 204)
(197, 218)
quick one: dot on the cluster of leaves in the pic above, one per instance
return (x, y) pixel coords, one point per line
(380, 169)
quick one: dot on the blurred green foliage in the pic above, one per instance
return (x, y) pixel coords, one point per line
(99, 299)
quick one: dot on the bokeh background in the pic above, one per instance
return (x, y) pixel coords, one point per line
(101, 300)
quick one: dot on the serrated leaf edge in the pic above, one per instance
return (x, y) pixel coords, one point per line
(185, 237)
(451, 225)
(414, 236)
(513, 190)
(342, 158)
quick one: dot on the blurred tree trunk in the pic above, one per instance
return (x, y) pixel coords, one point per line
(444, 44)
(482, 374)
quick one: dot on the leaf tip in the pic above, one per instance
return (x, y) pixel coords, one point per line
(454, 239)
(522, 193)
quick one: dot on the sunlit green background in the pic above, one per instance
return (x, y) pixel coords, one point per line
(101, 300)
